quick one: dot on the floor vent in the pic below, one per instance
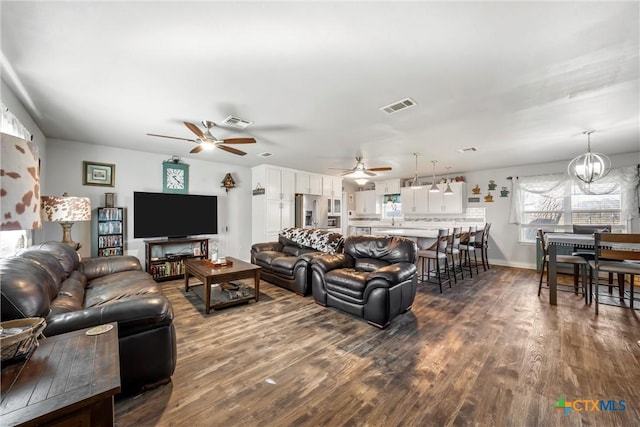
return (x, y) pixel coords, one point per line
(265, 154)
(237, 122)
(399, 105)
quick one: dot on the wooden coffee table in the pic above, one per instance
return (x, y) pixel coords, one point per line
(70, 379)
(225, 294)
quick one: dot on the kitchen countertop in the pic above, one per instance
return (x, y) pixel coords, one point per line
(406, 232)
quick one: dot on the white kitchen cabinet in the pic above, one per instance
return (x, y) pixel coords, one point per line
(447, 203)
(367, 202)
(389, 186)
(415, 200)
(273, 210)
(332, 189)
(308, 183)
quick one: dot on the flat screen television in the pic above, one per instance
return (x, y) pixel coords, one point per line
(173, 215)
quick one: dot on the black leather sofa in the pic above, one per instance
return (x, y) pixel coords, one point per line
(48, 280)
(375, 278)
(286, 262)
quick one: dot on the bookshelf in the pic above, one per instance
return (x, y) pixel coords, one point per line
(111, 229)
(165, 258)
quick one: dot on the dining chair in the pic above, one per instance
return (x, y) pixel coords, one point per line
(436, 254)
(453, 252)
(468, 247)
(617, 253)
(587, 253)
(580, 267)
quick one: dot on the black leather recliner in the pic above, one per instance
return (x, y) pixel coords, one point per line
(374, 278)
(286, 262)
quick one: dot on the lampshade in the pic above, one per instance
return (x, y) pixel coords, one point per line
(361, 181)
(66, 210)
(20, 184)
(589, 167)
(434, 187)
(448, 190)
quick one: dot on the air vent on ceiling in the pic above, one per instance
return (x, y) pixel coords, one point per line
(237, 122)
(399, 105)
(467, 150)
(265, 154)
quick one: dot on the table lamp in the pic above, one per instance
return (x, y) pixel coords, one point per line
(66, 210)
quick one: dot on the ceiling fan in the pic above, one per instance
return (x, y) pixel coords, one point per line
(207, 140)
(360, 170)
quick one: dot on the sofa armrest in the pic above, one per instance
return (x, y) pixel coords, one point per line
(394, 273)
(102, 266)
(133, 316)
(326, 262)
(267, 246)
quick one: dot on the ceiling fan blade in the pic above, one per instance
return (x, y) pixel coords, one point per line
(231, 150)
(197, 149)
(369, 173)
(239, 141)
(172, 137)
(385, 168)
(195, 129)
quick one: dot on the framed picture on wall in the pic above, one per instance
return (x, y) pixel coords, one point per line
(100, 174)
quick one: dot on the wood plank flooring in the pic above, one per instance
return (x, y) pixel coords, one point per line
(487, 352)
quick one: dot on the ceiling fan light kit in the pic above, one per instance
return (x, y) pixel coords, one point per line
(206, 140)
(360, 174)
(589, 167)
(434, 187)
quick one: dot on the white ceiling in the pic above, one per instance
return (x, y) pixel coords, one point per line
(519, 81)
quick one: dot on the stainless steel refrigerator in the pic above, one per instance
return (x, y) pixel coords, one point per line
(311, 211)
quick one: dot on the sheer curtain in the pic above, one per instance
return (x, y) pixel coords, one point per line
(557, 185)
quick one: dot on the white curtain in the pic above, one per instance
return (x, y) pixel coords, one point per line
(10, 125)
(557, 185)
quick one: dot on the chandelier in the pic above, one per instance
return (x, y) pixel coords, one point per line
(589, 167)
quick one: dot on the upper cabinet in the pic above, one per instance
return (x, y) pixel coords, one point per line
(279, 184)
(447, 203)
(367, 202)
(307, 183)
(332, 186)
(415, 200)
(389, 186)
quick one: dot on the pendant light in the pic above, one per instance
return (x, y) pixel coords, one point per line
(589, 167)
(415, 183)
(434, 187)
(448, 190)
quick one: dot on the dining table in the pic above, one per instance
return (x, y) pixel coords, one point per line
(552, 241)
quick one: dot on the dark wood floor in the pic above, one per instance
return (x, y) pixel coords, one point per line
(487, 352)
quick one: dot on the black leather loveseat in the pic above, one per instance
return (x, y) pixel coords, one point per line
(375, 278)
(48, 280)
(286, 262)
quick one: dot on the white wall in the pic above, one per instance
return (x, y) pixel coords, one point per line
(504, 248)
(142, 171)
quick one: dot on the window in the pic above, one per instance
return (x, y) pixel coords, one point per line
(556, 202)
(12, 241)
(392, 206)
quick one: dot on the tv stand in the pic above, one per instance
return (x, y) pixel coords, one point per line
(164, 259)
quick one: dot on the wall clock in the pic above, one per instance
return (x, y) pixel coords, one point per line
(175, 178)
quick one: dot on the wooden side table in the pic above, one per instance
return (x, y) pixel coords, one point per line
(70, 379)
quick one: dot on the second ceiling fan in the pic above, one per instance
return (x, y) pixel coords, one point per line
(206, 139)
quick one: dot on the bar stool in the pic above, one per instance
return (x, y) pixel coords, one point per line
(437, 255)
(453, 251)
(470, 247)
